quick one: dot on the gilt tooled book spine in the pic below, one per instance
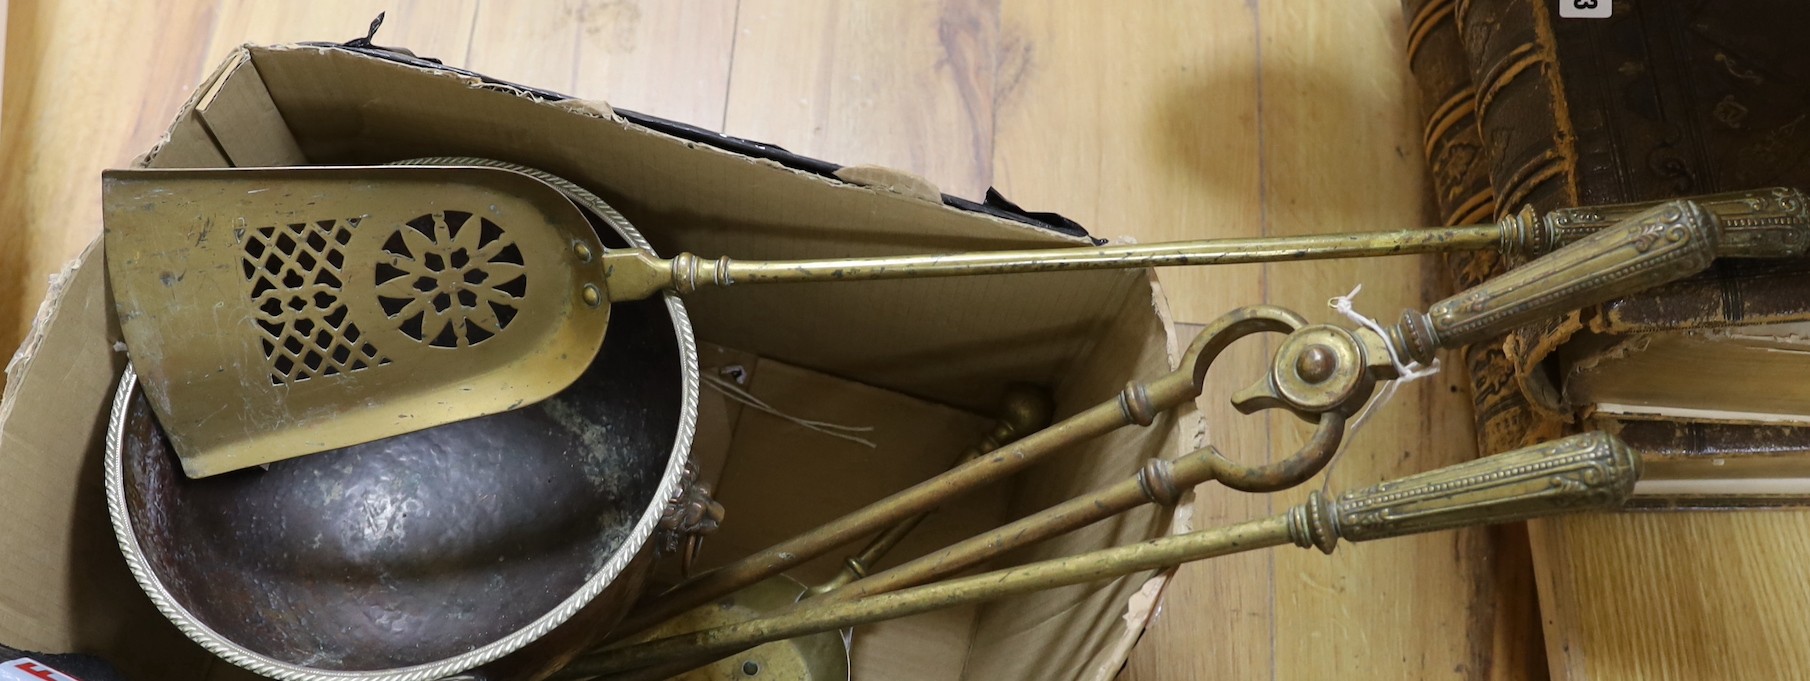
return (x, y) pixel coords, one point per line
(1527, 146)
(1453, 146)
(1459, 167)
(1663, 99)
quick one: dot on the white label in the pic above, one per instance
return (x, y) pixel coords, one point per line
(1586, 9)
(27, 669)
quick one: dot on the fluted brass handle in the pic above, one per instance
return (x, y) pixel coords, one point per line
(1591, 470)
(1760, 223)
(1659, 245)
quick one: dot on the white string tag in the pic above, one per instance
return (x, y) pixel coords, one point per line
(1406, 372)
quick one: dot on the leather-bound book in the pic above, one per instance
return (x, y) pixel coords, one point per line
(1661, 100)
(1697, 464)
(1462, 195)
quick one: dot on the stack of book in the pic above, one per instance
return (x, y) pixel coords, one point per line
(1708, 378)
(1660, 100)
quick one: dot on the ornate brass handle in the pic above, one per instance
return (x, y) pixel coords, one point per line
(687, 519)
(1582, 472)
(1761, 223)
(1592, 471)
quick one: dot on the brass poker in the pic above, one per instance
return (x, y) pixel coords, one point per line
(1588, 472)
(261, 304)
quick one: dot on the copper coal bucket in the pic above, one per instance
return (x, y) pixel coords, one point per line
(541, 523)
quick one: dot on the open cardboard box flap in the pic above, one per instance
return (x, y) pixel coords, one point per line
(923, 362)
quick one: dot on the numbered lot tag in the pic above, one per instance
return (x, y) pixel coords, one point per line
(1585, 9)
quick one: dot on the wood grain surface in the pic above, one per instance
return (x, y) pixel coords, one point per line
(2, 62)
(1676, 596)
(1151, 121)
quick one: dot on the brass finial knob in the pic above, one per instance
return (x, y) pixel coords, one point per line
(1316, 364)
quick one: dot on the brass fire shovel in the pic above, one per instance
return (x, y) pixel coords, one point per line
(261, 305)
(277, 312)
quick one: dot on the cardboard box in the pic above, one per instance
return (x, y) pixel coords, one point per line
(921, 362)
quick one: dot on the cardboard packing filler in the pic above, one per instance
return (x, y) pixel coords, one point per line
(921, 362)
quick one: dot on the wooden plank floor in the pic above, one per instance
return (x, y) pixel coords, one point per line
(1148, 121)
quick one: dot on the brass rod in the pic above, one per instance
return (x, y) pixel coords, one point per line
(1181, 253)
(1591, 471)
(635, 274)
(1087, 567)
(1159, 481)
(1183, 474)
(857, 566)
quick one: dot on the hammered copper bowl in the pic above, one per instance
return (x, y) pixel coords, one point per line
(427, 554)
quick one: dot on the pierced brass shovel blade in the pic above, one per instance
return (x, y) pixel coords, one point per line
(278, 312)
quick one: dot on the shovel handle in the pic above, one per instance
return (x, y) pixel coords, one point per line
(634, 274)
(1758, 223)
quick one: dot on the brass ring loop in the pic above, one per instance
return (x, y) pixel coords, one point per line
(1294, 470)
